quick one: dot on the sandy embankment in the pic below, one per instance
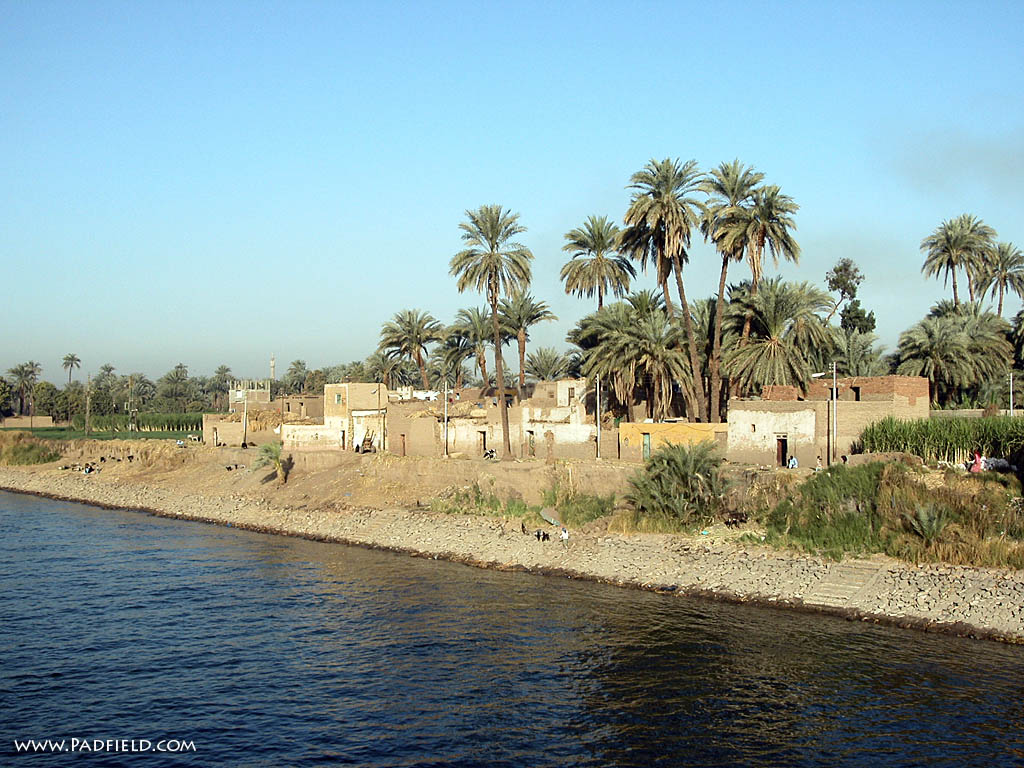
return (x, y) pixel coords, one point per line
(329, 503)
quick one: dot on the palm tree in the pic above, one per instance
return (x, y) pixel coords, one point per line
(270, 455)
(596, 266)
(407, 334)
(631, 346)
(731, 188)
(71, 361)
(220, 383)
(661, 215)
(1003, 271)
(519, 313)
(937, 349)
(547, 364)
(25, 377)
(456, 350)
(856, 354)
(786, 327)
(495, 265)
(958, 243)
(769, 224)
(475, 324)
(384, 368)
(296, 376)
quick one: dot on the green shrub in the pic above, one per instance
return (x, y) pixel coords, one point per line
(681, 484)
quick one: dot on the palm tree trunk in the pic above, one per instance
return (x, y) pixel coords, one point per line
(669, 309)
(715, 363)
(956, 293)
(522, 362)
(499, 374)
(970, 284)
(698, 377)
(1000, 300)
(423, 370)
(600, 298)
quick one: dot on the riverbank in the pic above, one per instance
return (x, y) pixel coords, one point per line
(196, 484)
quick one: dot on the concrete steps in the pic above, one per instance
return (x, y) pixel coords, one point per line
(844, 582)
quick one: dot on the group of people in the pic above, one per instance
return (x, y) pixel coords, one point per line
(545, 536)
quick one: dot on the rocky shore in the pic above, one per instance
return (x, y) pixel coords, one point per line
(981, 603)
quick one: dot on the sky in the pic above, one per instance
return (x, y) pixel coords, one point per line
(215, 183)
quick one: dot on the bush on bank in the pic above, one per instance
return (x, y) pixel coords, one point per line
(679, 487)
(20, 448)
(888, 508)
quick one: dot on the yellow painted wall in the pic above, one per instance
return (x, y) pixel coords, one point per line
(631, 441)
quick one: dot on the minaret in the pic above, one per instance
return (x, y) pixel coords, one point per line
(273, 376)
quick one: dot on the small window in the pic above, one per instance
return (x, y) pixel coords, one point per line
(572, 392)
(337, 398)
(856, 393)
(753, 427)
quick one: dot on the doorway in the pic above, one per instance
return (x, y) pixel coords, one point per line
(531, 443)
(401, 445)
(647, 445)
(481, 442)
(781, 450)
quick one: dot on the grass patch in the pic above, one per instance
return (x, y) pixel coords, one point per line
(576, 509)
(886, 508)
(22, 449)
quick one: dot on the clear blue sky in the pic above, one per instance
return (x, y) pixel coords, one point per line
(215, 182)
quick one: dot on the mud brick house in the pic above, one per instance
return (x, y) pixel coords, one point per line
(784, 421)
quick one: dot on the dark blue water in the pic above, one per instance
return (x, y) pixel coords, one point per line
(269, 651)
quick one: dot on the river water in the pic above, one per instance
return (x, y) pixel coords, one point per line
(262, 650)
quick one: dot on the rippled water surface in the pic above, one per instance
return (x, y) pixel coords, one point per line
(269, 651)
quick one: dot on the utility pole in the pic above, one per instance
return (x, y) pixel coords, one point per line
(245, 418)
(446, 417)
(598, 409)
(1011, 393)
(835, 415)
(88, 397)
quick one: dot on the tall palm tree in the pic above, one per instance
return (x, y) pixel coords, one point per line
(596, 266)
(407, 334)
(661, 215)
(786, 327)
(958, 243)
(520, 312)
(769, 225)
(494, 264)
(475, 324)
(731, 188)
(71, 361)
(1003, 271)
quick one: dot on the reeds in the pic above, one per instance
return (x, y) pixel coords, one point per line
(948, 439)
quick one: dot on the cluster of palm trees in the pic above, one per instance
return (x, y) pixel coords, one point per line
(108, 393)
(678, 356)
(966, 243)
(687, 357)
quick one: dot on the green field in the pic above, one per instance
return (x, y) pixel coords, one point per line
(61, 433)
